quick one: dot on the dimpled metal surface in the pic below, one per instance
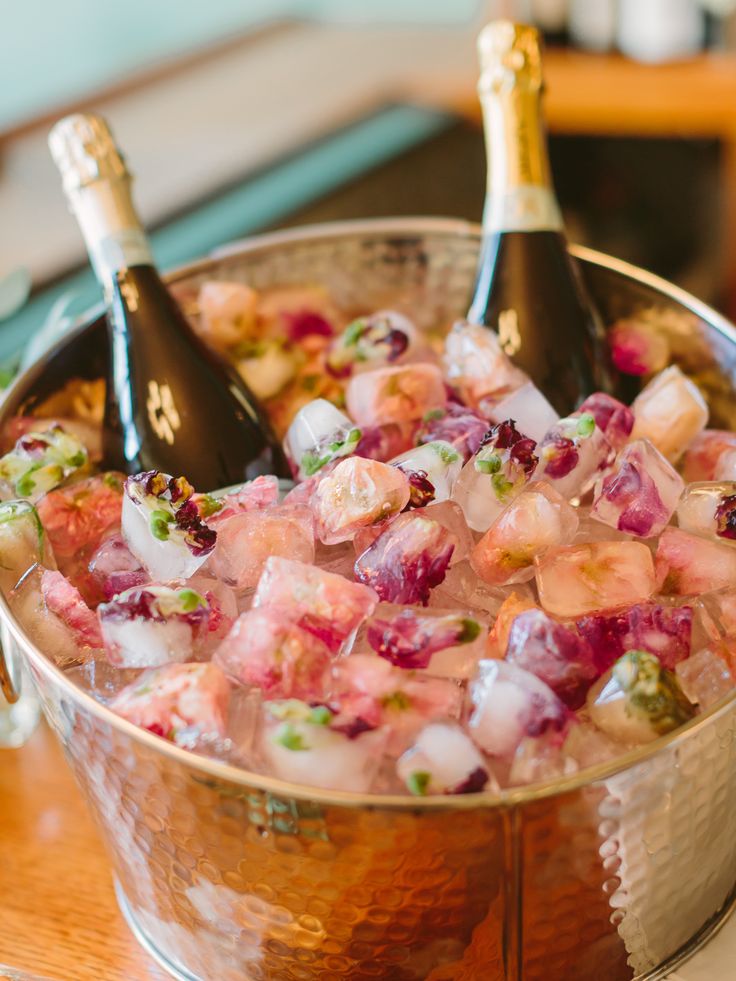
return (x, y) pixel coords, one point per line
(598, 880)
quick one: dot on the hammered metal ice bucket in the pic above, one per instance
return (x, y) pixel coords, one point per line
(225, 875)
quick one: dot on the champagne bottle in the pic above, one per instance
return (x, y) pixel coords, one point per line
(528, 288)
(171, 403)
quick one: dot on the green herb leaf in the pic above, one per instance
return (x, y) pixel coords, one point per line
(446, 453)
(311, 463)
(469, 631)
(289, 738)
(159, 524)
(396, 700)
(586, 425)
(320, 716)
(353, 332)
(491, 464)
(417, 782)
(190, 600)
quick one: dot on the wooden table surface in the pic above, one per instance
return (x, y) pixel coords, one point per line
(58, 914)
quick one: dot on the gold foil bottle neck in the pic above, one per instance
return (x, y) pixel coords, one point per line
(84, 150)
(510, 57)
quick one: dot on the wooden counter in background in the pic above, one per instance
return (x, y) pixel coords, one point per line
(58, 914)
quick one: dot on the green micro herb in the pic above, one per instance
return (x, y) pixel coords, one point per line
(586, 425)
(290, 738)
(159, 524)
(418, 782)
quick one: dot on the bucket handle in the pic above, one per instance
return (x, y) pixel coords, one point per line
(7, 686)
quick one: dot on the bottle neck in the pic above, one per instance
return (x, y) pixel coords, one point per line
(111, 228)
(519, 194)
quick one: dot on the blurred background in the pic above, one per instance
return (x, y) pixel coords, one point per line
(244, 115)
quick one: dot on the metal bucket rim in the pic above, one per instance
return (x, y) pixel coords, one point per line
(214, 770)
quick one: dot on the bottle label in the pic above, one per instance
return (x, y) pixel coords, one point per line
(526, 208)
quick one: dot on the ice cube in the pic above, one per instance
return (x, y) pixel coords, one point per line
(49, 632)
(384, 337)
(475, 364)
(40, 461)
(637, 347)
(450, 516)
(688, 564)
(576, 579)
(612, 417)
(113, 568)
(508, 704)
(527, 406)
(265, 648)
(77, 518)
(385, 442)
(319, 434)
(572, 454)
(407, 560)
(246, 540)
(639, 494)
(23, 542)
(367, 686)
(498, 638)
(588, 746)
(255, 495)
(438, 463)
(661, 630)
(227, 313)
(670, 412)
(495, 475)
(538, 518)
(709, 509)
(300, 743)
(100, 679)
(223, 604)
(162, 526)
(64, 601)
(179, 702)
(409, 638)
(443, 760)
(726, 466)
(147, 627)
(554, 653)
(705, 678)
(703, 456)
(358, 492)
(398, 394)
(542, 758)
(462, 587)
(456, 424)
(638, 700)
(326, 604)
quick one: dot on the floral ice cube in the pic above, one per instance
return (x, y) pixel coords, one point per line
(398, 394)
(246, 540)
(77, 518)
(254, 495)
(688, 565)
(319, 434)
(23, 542)
(702, 458)
(385, 442)
(227, 313)
(64, 628)
(508, 704)
(709, 509)
(559, 656)
(407, 560)
(638, 700)
(369, 687)
(443, 760)
(456, 424)
(302, 743)
(162, 526)
(661, 630)
(613, 418)
(180, 702)
(637, 347)
(40, 461)
(223, 606)
(461, 587)
(432, 470)
(149, 626)
(542, 758)
(527, 406)
(265, 648)
(572, 453)
(408, 638)
(498, 638)
(670, 412)
(326, 604)
(475, 364)
(64, 601)
(495, 475)
(446, 513)
(113, 568)
(358, 492)
(385, 337)
(576, 579)
(639, 494)
(705, 678)
(538, 518)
